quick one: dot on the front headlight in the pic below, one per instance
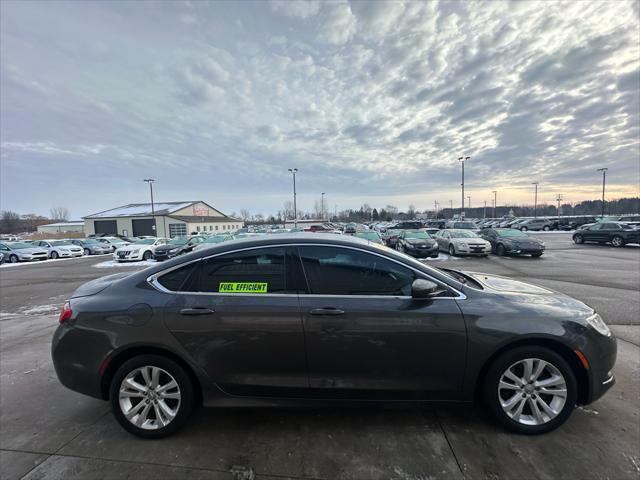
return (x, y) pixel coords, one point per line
(598, 324)
(173, 250)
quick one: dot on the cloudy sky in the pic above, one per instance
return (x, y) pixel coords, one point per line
(371, 101)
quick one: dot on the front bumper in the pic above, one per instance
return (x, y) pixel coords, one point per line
(601, 353)
(429, 251)
(32, 258)
(516, 250)
(160, 256)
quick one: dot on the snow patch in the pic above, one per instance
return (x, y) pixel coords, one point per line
(114, 264)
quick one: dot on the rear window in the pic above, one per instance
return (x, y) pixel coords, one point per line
(175, 279)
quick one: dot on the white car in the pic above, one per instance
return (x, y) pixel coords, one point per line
(462, 242)
(59, 248)
(113, 242)
(143, 249)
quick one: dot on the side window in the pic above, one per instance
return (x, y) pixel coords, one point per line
(255, 271)
(175, 279)
(344, 271)
(595, 227)
(610, 226)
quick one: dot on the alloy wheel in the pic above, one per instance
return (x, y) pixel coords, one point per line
(87, 251)
(617, 242)
(149, 397)
(578, 239)
(532, 391)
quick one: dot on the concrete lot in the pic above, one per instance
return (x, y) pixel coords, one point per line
(47, 431)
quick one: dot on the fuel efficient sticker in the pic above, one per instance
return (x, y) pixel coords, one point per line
(242, 287)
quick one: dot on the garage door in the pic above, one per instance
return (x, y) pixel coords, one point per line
(143, 227)
(109, 227)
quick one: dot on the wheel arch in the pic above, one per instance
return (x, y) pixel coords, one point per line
(582, 375)
(122, 356)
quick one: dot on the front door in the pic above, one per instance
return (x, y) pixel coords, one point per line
(367, 337)
(238, 317)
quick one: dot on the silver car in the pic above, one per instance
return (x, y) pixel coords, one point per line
(59, 248)
(462, 242)
(15, 252)
(113, 242)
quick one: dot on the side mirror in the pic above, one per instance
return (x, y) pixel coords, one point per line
(423, 288)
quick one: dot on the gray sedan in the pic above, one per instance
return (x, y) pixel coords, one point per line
(462, 242)
(91, 246)
(15, 252)
(293, 318)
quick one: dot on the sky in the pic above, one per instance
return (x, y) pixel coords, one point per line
(371, 101)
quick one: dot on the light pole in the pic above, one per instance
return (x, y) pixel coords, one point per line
(558, 199)
(322, 205)
(535, 201)
(469, 200)
(604, 179)
(153, 212)
(484, 214)
(295, 207)
(462, 159)
(495, 202)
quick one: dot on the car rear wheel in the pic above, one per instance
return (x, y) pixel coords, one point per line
(617, 241)
(578, 239)
(546, 228)
(13, 258)
(151, 396)
(452, 250)
(500, 249)
(530, 390)
(54, 255)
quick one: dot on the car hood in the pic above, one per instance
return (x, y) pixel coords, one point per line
(98, 285)
(164, 248)
(521, 241)
(504, 284)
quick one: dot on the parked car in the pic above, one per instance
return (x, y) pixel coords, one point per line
(113, 242)
(140, 250)
(15, 252)
(370, 235)
(350, 228)
(437, 224)
(344, 320)
(462, 242)
(417, 243)
(508, 241)
(390, 236)
(214, 240)
(1, 258)
(535, 224)
(464, 225)
(617, 234)
(91, 246)
(319, 229)
(59, 248)
(177, 246)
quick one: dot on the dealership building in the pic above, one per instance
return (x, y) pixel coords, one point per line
(61, 227)
(171, 219)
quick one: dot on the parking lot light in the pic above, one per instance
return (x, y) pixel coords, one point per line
(495, 202)
(153, 213)
(604, 178)
(535, 201)
(462, 159)
(295, 207)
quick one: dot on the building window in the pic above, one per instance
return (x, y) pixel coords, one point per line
(197, 229)
(210, 227)
(216, 227)
(177, 230)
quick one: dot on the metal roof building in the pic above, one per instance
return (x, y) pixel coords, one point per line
(168, 219)
(61, 227)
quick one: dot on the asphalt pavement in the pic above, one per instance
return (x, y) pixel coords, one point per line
(48, 431)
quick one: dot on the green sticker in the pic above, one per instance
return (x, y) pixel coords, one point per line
(242, 287)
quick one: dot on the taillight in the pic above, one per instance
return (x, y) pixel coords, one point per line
(65, 314)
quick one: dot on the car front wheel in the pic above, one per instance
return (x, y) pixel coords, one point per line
(531, 390)
(54, 255)
(87, 252)
(546, 228)
(147, 255)
(500, 250)
(523, 229)
(452, 250)
(617, 241)
(578, 239)
(14, 259)
(151, 396)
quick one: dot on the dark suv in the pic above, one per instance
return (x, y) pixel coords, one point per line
(617, 234)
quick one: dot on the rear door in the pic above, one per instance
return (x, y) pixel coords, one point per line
(238, 317)
(367, 337)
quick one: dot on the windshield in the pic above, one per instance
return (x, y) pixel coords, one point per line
(214, 240)
(90, 241)
(368, 236)
(464, 225)
(463, 234)
(511, 233)
(419, 235)
(178, 241)
(20, 245)
(60, 243)
(146, 241)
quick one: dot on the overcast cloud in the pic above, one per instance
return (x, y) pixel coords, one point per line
(372, 101)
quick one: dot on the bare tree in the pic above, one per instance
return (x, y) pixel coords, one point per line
(245, 214)
(288, 209)
(10, 221)
(412, 211)
(59, 213)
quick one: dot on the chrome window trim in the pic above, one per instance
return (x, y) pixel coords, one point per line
(153, 279)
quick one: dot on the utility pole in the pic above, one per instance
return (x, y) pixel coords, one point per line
(469, 200)
(604, 179)
(462, 159)
(435, 204)
(153, 212)
(559, 199)
(495, 202)
(535, 201)
(295, 207)
(484, 213)
(322, 205)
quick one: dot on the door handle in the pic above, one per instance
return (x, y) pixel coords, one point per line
(196, 311)
(326, 311)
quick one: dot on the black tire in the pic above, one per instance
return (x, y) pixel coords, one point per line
(452, 250)
(546, 228)
(147, 255)
(578, 240)
(617, 241)
(500, 251)
(87, 251)
(13, 259)
(523, 229)
(54, 255)
(502, 363)
(185, 385)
